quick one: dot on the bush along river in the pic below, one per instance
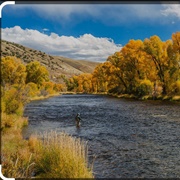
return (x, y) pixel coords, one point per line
(126, 138)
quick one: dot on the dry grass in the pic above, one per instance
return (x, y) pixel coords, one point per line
(60, 156)
(16, 157)
(176, 98)
(49, 155)
(44, 97)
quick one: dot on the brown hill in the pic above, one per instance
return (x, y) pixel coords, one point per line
(56, 65)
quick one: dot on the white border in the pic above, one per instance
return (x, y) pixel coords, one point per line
(4, 178)
(1, 7)
(4, 4)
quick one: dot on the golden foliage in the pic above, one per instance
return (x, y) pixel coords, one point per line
(139, 68)
(36, 73)
(12, 71)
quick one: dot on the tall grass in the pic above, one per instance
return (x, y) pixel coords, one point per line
(50, 155)
(15, 155)
(60, 156)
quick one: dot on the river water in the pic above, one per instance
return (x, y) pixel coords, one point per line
(126, 138)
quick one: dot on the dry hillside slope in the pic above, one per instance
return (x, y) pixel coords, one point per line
(56, 65)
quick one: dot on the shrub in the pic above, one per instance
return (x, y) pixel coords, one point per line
(12, 71)
(58, 87)
(32, 89)
(14, 100)
(7, 121)
(43, 92)
(145, 87)
(48, 86)
(175, 88)
(13, 121)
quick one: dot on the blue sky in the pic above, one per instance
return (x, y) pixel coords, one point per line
(87, 31)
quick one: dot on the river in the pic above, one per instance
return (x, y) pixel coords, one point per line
(126, 138)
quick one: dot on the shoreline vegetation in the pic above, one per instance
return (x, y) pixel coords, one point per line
(126, 96)
(52, 155)
(49, 154)
(44, 97)
(142, 70)
(131, 96)
(147, 97)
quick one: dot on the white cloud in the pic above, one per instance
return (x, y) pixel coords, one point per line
(45, 29)
(106, 13)
(84, 47)
(171, 9)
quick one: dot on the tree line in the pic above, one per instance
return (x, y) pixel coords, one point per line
(20, 82)
(150, 67)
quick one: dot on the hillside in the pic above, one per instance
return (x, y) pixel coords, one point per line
(56, 65)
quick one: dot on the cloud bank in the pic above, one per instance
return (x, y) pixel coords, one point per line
(85, 47)
(171, 9)
(111, 14)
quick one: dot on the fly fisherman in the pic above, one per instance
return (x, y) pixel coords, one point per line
(78, 119)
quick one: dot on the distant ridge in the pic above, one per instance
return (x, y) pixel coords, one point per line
(56, 65)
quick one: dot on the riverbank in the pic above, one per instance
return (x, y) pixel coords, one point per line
(56, 155)
(175, 98)
(147, 97)
(44, 97)
(51, 95)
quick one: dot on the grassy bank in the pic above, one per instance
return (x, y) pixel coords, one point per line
(131, 96)
(43, 97)
(60, 156)
(147, 97)
(49, 155)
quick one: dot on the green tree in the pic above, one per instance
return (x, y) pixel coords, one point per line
(36, 73)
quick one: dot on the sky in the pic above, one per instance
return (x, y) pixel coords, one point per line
(87, 31)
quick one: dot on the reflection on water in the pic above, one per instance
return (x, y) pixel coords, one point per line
(129, 138)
